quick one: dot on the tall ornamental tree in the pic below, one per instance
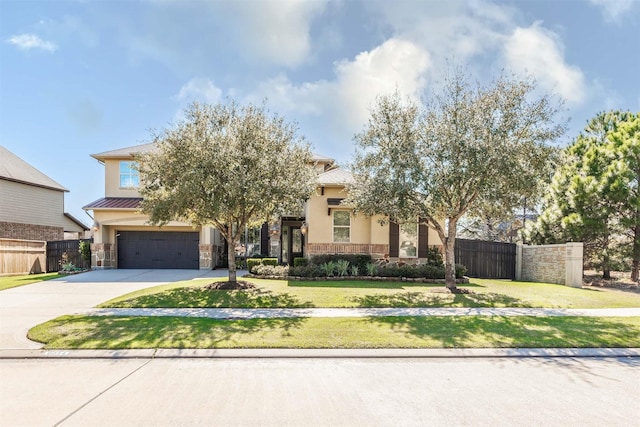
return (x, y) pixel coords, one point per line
(467, 144)
(594, 195)
(227, 166)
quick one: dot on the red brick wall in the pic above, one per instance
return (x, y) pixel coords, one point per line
(14, 230)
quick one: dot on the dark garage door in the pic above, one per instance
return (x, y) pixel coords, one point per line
(158, 249)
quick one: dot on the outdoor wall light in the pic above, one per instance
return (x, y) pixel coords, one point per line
(304, 228)
(274, 230)
(96, 226)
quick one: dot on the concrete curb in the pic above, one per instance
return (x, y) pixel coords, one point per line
(319, 353)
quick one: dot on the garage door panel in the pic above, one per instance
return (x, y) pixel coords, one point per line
(158, 249)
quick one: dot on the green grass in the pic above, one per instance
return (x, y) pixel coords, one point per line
(284, 294)
(86, 332)
(7, 282)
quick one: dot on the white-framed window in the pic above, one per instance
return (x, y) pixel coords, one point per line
(408, 247)
(129, 176)
(341, 226)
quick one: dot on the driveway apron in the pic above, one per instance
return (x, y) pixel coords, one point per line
(24, 307)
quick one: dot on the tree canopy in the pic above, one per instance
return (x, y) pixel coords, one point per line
(594, 196)
(465, 145)
(226, 166)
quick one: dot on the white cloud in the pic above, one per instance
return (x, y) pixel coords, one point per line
(344, 102)
(537, 51)
(31, 41)
(613, 10)
(200, 89)
(278, 31)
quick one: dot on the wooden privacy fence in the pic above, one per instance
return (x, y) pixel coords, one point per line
(487, 260)
(22, 256)
(60, 252)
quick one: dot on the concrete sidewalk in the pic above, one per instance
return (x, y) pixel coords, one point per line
(269, 313)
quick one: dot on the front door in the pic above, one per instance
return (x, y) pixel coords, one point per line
(292, 243)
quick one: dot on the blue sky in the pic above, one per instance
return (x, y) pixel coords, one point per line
(82, 77)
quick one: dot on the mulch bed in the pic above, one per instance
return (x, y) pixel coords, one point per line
(230, 286)
(619, 281)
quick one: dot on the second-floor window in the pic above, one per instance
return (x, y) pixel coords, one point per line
(341, 227)
(129, 177)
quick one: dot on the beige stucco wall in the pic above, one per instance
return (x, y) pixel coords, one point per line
(364, 230)
(112, 180)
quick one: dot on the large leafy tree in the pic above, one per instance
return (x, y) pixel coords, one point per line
(227, 166)
(594, 195)
(467, 144)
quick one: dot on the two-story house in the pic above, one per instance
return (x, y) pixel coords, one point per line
(123, 237)
(32, 204)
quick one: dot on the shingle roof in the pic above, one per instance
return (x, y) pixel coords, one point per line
(13, 168)
(125, 152)
(320, 158)
(335, 177)
(115, 203)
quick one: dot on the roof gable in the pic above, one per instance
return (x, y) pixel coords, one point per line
(13, 168)
(127, 152)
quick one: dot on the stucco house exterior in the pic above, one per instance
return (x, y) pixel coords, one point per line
(123, 237)
(32, 204)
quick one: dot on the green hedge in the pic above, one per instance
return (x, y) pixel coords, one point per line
(359, 260)
(253, 262)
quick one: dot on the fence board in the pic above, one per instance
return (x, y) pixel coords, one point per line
(487, 260)
(21, 256)
(56, 257)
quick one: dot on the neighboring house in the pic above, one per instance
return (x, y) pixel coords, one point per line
(123, 237)
(32, 204)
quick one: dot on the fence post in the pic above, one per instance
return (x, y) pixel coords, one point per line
(519, 261)
(573, 265)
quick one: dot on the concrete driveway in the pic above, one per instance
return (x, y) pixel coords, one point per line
(24, 307)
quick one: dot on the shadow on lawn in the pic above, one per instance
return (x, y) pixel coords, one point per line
(422, 299)
(157, 332)
(525, 331)
(199, 297)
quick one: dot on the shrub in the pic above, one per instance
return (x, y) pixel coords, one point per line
(434, 257)
(328, 268)
(254, 262)
(68, 267)
(271, 270)
(359, 260)
(85, 250)
(461, 270)
(300, 262)
(354, 270)
(371, 269)
(306, 271)
(342, 267)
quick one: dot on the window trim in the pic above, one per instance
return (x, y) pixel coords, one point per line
(334, 226)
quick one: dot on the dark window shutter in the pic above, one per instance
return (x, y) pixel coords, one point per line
(394, 239)
(423, 239)
(264, 239)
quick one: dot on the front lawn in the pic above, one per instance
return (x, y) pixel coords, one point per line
(292, 294)
(86, 332)
(7, 282)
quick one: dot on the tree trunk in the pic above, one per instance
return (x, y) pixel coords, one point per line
(635, 254)
(450, 257)
(231, 258)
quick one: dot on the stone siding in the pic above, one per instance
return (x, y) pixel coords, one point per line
(15, 230)
(103, 256)
(207, 256)
(559, 264)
